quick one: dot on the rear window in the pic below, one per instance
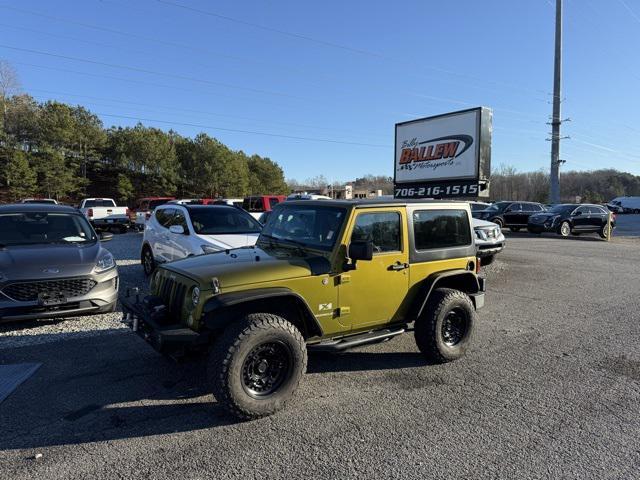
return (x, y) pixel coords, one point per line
(383, 229)
(99, 202)
(253, 204)
(441, 229)
(224, 220)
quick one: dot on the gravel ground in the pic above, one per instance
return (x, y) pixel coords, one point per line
(549, 389)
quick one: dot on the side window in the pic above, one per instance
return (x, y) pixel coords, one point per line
(596, 211)
(164, 215)
(273, 201)
(537, 207)
(179, 219)
(514, 207)
(583, 210)
(441, 229)
(382, 228)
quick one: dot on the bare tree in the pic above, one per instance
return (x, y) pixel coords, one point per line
(9, 86)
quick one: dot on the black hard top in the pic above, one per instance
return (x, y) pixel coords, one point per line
(372, 202)
(37, 207)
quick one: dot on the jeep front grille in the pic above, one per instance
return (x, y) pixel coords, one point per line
(173, 294)
(31, 291)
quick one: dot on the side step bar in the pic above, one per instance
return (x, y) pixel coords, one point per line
(354, 341)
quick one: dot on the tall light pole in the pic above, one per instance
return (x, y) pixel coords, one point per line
(554, 178)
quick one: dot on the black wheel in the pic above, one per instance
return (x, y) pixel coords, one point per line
(514, 229)
(564, 229)
(147, 260)
(604, 231)
(487, 260)
(256, 365)
(445, 330)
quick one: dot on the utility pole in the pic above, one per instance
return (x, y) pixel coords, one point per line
(554, 193)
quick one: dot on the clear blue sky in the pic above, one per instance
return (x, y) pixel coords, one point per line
(344, 71)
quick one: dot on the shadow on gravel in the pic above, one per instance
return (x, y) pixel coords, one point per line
(583, 237)
(354, 361)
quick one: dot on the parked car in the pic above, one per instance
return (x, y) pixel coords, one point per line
(325, 275)
(50, 201)
(514, 215)
(572, 219)
(236, 202)
(144, 208)
(489, 240)
(255, 205)
(52, 264)
(103, 213)
(478, 206)
(625, 204)
(307, 196)
(177, 231)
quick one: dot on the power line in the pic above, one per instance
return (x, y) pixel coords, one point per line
(250, 132)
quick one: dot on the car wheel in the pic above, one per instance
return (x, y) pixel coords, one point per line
(147, 260)
(565, 229)
(445, 330)
(604, 231)
(255, 367)
(487, 260)
(497, 221)
(514, 229)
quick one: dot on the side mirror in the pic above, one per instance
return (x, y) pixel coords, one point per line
(106, 236)
(177, 229)
(359, 251)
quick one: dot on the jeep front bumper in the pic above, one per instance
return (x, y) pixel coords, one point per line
(142, 315)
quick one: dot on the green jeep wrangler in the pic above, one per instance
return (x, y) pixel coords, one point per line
(324, 275)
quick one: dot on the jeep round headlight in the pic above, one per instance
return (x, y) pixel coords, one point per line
(195, 296)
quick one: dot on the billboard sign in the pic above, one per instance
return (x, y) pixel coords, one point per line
(444, 156)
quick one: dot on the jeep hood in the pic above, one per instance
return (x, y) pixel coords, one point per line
(243, 266)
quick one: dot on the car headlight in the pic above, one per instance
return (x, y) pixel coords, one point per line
(481, 234)
(195, 296)
(104, 263)
(209, 249)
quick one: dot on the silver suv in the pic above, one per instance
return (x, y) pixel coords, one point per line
(52, 264)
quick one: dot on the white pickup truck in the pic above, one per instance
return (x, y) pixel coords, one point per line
(103, 213)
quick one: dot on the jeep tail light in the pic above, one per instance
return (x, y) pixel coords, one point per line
(90, 212)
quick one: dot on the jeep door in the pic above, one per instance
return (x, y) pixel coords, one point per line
(374, 292)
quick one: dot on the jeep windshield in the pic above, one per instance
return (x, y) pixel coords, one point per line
(30, 228)
(307, 226)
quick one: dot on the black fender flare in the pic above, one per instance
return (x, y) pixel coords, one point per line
(225, 301)
(467, 280)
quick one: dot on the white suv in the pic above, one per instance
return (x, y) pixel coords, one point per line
(179, 231)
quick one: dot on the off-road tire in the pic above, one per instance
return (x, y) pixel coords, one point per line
(226, 364)
(562, 231)
(428, 328)
(146, 259)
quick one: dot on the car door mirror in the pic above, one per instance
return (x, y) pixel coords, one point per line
(360, 250)
(177, 229)
(106, 236)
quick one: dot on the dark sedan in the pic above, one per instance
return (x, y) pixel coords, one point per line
(52, 264)
(514, 215)
(572, 219)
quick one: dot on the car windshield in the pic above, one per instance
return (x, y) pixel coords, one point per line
(211, 220)
(311, 226)
(561, 209)
(98, 202)
(28, 228)
(498, 206)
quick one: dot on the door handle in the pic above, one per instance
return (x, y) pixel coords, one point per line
(399, 266)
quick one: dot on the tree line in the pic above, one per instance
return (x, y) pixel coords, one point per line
(55, 150)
